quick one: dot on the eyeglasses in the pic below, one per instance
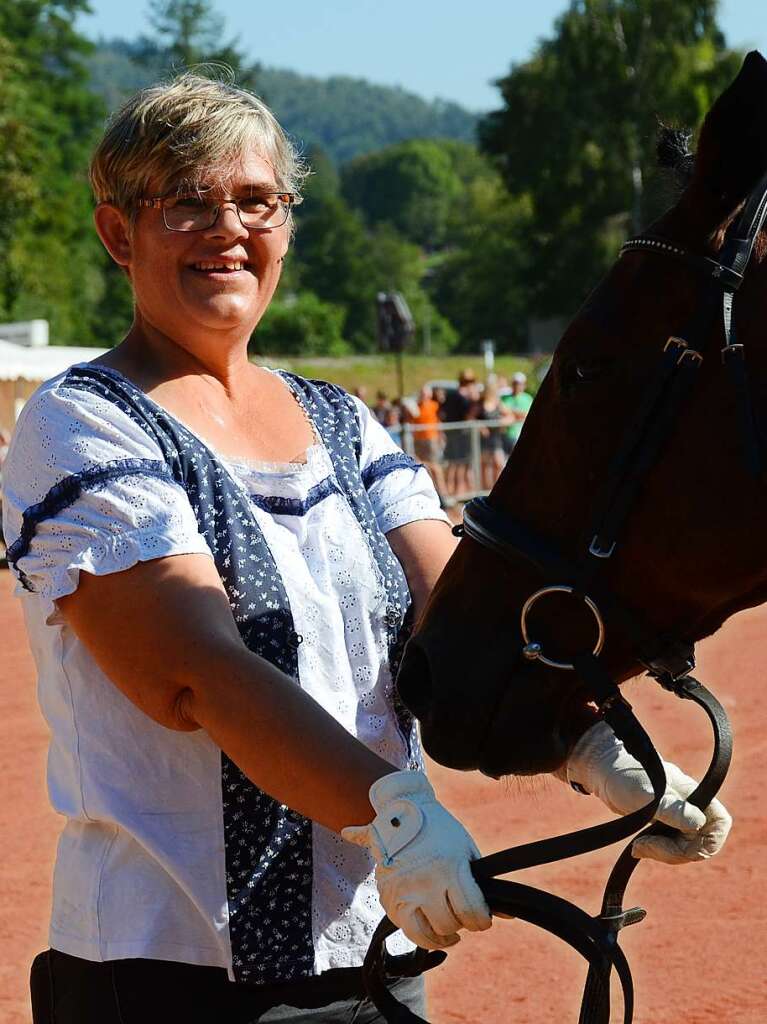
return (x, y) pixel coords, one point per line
(262, 211)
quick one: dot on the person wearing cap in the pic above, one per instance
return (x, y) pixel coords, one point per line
(517, 402)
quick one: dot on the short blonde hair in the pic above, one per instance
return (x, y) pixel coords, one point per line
(170, 134)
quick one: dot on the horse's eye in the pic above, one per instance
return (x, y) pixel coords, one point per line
(577, 373)
(587, 371)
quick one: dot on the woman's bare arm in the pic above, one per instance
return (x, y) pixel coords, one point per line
(164, 634)
(423, 549)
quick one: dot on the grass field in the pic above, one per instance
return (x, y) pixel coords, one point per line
(380, 371)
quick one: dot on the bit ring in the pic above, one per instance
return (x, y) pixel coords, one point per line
(533, 650)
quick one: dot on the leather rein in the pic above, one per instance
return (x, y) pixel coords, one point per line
(669, 660)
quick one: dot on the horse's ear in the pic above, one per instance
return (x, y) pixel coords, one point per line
(732, 149)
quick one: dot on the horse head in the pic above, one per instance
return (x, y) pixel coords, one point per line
(692, 549)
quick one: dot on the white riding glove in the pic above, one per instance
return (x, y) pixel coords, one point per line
(422, 856)
(600, 764)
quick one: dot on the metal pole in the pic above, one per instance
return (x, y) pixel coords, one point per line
(476, 454)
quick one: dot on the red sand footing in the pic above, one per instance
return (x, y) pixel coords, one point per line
(699, 957)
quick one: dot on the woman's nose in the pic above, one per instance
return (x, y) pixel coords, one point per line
(227, 222)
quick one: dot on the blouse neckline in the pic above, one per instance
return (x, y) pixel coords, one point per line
(311, 455)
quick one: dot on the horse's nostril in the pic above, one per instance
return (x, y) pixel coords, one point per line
(414, 680)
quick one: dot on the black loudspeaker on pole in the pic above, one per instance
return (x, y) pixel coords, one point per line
(395, 327)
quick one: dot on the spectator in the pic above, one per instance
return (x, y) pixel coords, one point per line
(381, 406)
(393, 421)
(427, 439)
(517, 403)
(5, 440)
(491, 438)
(457, 408)
(502, 385)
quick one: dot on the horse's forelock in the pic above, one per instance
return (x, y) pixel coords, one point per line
(673, 152)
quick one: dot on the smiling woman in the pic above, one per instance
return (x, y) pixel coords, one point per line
(215, 562)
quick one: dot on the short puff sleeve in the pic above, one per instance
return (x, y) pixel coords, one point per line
(86, 488)
(400, 489)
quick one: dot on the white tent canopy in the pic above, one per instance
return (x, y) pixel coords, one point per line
(18, 362)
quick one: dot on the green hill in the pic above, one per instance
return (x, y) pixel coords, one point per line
(345, 117)
(348, 117)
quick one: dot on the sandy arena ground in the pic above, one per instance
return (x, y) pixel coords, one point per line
(699, 957)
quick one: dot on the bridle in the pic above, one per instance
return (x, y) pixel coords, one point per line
(669, 660)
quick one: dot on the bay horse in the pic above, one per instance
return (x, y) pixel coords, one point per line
(692, 548)
(627, 524)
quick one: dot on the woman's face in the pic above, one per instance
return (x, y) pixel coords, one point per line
(179, 293)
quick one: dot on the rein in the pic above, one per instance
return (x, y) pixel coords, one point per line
(669, 660)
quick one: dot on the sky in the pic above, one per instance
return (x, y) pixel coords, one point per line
(435, 48)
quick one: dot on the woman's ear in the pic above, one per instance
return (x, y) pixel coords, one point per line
(113, 230)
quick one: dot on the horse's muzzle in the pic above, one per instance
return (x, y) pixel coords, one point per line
(477, 717)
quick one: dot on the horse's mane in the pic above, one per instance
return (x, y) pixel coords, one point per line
(674, 154)
(673, 151)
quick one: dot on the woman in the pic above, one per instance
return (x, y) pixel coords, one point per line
(489, 407)
(193, 536)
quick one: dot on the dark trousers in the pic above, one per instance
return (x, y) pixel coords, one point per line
(68, 990)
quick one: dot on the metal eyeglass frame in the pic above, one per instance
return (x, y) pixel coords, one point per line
(160, 203)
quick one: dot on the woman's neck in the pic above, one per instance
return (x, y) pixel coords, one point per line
(149, 358)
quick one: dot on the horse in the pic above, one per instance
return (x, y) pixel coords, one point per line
(625, 526)
(687, 507)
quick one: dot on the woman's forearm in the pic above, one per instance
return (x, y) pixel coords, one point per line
(282, 739)
(162, 632)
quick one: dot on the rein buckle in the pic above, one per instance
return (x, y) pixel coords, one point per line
(614, 922)
(598, 549)
(691, 355)
(733, 350)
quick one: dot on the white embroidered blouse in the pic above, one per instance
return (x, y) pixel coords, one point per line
(140, 870)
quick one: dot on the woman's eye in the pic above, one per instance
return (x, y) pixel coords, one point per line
(189, 202)
(256, 204)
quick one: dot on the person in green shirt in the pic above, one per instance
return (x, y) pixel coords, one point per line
(518, 402)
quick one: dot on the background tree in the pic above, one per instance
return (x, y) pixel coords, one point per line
(411, 186)
(190, 32)
(479, 282)
(51, 255)
(578, 125)
(343, 262)
(301, 324)
(17, 164)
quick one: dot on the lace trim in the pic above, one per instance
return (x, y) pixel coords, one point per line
(67, 491)
(387, 464)
(281, 506)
